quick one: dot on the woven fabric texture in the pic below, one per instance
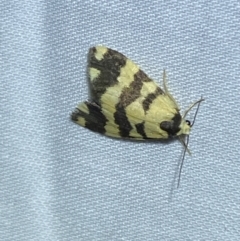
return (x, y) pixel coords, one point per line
(60, 181)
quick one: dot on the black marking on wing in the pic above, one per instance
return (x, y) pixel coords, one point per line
(131, 93)
(121, 119)
(142, 76)
(140, 130)
(150, 98)
(109, 67)
(172, 127)
(128, 96)
(94, 120)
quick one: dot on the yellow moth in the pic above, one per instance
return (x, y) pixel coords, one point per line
(126, 103)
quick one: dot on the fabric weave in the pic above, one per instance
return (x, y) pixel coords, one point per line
(62, 182)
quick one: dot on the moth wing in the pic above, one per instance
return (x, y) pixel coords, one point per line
(140, 115)
(111, 70)
(90, 115)
(125, 101)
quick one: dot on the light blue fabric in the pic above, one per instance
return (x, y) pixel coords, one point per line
(62, 182)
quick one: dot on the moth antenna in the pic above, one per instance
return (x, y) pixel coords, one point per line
(186, 112)
(166, 89)
(199, 102)
(185, 143)
(182, 140)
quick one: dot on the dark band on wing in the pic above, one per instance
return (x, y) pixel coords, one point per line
(142, 76)
(131, 93)
(122, 121)
(140, 130)
(109, 66)
(95, 120)
(150, 98)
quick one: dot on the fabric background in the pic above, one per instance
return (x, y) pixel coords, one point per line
(60, 181)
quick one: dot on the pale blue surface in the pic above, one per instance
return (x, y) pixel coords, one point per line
(62, 182)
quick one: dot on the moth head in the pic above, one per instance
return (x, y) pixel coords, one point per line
(177, 126)
(185, 127)
(186, 124)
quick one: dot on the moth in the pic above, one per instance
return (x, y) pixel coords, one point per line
(126, 103)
